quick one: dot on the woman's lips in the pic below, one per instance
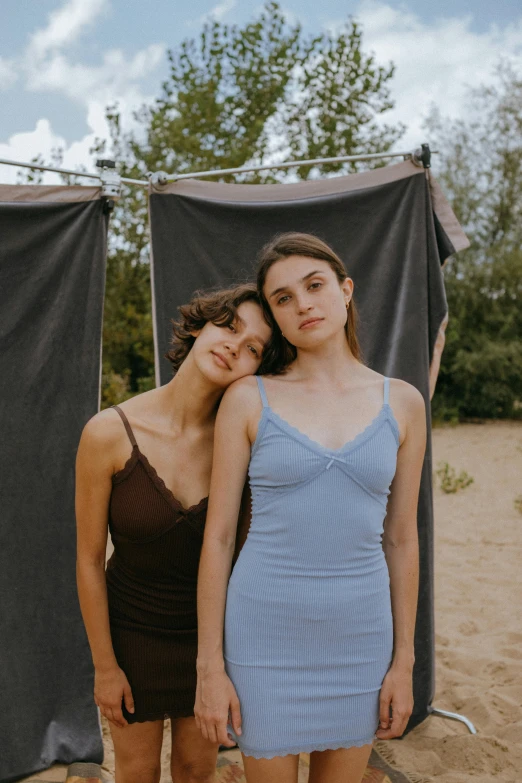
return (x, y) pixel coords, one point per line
(310, 322)
(220, 360)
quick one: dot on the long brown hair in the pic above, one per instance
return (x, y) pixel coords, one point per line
(293, 243)
(220, 307)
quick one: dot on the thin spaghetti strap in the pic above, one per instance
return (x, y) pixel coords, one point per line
(126, 424)
(262, 392)
(386, 391)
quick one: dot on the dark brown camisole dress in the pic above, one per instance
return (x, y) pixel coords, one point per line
(151, 588)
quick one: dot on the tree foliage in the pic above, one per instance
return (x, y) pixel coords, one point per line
(234, 95)
(480, 168)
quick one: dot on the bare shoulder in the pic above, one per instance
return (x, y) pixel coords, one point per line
(408, 407)
(406, 396)
(104, 434)
(243, 393)
(241, 406)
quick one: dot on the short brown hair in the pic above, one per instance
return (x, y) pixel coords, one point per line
(293, 243)
(219, 307)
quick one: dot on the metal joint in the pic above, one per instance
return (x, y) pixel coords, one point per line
(110, 179)
(422, 156)
(159, 178)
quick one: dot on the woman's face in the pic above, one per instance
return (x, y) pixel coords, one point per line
(225, 353)
(307, 300)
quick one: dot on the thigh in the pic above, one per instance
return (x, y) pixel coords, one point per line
(193, 758)
(282, 769)
(137, 751)
(345, 765)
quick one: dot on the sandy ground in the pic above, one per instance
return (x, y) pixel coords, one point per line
(478, 611)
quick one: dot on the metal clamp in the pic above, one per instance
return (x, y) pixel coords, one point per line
(422, 156)
(159, 178)
(110, 179)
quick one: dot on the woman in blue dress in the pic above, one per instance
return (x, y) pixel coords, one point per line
(318, 616)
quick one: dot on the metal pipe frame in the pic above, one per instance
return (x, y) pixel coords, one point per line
(39, 167)
(453, 716)
(161, 178)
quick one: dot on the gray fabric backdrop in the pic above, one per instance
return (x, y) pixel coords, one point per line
(52, 275)
(384, 226)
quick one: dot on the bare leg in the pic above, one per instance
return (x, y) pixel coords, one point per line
(282, 769)
(345, 765)
(137, 751)
(193, 758)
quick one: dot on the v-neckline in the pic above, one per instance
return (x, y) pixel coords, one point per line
(315, 445)
(138, 456)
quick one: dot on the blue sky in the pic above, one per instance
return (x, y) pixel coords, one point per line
(62, 61)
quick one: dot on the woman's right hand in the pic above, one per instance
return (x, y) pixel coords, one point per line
(110, 688)
(216, 699)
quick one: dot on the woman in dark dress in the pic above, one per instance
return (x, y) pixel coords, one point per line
(143, 472)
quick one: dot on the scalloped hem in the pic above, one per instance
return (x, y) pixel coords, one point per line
(297, 749)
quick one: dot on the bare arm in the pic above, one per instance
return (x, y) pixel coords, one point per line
(401, 549)
(215, 695)
(94, 469)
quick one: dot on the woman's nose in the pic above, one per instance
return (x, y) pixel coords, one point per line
(231, 346)
(303, 304)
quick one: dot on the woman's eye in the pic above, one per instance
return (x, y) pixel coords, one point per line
(283, 299)
(316, 285)
(251, 348)
(232, 327)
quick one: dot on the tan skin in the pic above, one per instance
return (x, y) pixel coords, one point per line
(310, 396)
(174, 428)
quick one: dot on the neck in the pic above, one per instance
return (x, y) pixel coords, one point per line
(332, 362)
(190, 398)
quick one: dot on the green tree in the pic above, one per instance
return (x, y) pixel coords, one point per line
(234, 96)
(480, 168)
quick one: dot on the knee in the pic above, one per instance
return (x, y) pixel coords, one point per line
(192, 772)
(138, 772)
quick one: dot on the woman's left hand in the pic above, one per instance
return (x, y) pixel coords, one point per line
(397, 694)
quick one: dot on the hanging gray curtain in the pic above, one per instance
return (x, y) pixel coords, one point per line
(52, 277)
(392, 227)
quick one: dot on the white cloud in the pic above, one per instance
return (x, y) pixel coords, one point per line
(27, 146)
(48, 66)
(65, 25)
(112, 80)
(435, 62)
(222, 9)
(216, 14)
(8, 75)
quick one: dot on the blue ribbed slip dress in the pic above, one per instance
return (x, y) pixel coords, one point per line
(308, 626)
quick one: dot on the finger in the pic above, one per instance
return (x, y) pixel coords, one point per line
(198, 722)
(117, 718)
(399, 721)
(204, 730)
(212, 732)
(384, 710)
(127, 698)
(396, 729)
(222, 734)
(384, 734)
(235, 716)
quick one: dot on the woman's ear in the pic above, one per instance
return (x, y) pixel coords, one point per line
(195, 332)
(347, 288)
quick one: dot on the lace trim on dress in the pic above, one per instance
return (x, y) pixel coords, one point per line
(294, 751)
